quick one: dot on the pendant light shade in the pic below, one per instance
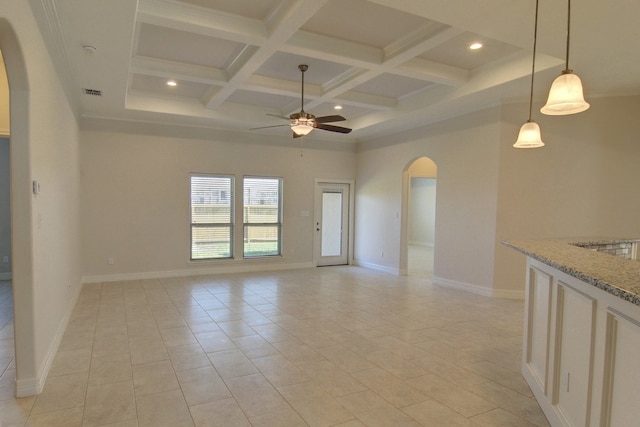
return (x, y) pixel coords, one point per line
(529, 136)
(566, 96)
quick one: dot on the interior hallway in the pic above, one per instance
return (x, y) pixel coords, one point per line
(420, 261)
(7, 352)
(322, 347)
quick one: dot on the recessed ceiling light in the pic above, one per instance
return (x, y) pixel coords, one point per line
(475, 46)
(337, 107)
(172, 83)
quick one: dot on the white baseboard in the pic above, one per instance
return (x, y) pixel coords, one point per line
(27, 387)
(32, 386)
(223, 269)
(378, 267)
(468, 287)
(508, 294)
(421, 244)
(5, 276)
(479, 290)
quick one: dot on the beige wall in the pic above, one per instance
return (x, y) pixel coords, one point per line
(584, 182)
(465, 151)
(4, 100)
(423, 167)
(5, 217)
(135, 200)
(45, 228)
(5, 212)
(421, 203)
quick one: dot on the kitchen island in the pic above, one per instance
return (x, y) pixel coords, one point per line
(582, 329)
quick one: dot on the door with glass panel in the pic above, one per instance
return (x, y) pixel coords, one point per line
(332, 224)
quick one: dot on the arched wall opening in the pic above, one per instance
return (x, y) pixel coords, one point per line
(20, 211)
(419, 182)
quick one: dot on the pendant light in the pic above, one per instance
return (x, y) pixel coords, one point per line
(566, 96)
(529, 136)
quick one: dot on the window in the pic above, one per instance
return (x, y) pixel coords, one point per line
(212, 213)
(262, 216)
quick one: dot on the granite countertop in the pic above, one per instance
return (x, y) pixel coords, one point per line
(612, 274)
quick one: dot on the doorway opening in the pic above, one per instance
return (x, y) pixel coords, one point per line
(333, 225)
(23, 367)
(7, 345)
(419, 218)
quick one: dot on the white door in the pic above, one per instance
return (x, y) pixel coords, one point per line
(332, 224)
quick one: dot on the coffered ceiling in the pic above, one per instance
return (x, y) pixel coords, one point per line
(391, 64)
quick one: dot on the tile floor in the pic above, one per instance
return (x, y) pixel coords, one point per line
(420, 261)
(331, 346)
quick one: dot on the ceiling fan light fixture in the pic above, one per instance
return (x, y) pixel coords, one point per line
(301, 128)
(565, 96)
(303, 123)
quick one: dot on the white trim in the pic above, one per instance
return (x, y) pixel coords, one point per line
(352, 216)
(421, 244)
(468, 287)
(479, 290)
(32, 386)
(508, 293)
(378, 267)
(28, 387)
(6, 276)
(195, 272)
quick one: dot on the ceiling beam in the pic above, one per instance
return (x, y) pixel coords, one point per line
(283, 24)
(200, 20)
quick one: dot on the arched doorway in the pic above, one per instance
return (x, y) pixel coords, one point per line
(21, 212)
(7, 347)
(418, 217)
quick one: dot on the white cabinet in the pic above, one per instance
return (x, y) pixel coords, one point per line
(581, 351)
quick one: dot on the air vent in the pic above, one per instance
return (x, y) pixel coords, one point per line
(92, 92)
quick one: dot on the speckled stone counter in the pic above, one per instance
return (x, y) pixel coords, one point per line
(612, 274)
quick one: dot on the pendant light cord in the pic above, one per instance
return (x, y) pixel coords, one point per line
(533, 62)
(568, 33)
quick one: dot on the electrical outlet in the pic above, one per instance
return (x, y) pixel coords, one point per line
(5, 259)
(110, 261)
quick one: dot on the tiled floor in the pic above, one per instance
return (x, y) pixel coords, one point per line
(420, 261)
(331, 346)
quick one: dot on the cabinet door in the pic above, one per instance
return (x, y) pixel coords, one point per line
(575, 333)
(623, 376)
(536, 352)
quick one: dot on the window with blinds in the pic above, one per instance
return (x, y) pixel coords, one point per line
(262, 216)
(212, 213)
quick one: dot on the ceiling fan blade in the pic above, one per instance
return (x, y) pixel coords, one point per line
(333, 128)
(328, 119)
(266, 127)
(278, 116)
